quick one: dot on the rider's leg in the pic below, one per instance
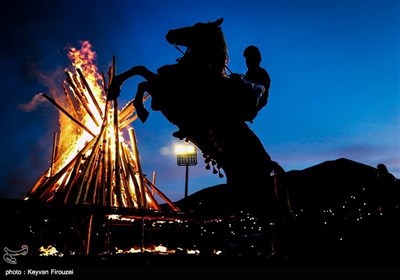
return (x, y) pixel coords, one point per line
(142, 113)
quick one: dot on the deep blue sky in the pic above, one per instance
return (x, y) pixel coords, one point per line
(334, 66)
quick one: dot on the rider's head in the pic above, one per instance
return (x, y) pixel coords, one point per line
(252, 55)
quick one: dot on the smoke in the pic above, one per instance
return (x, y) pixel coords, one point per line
(31, 105)
(51, 81)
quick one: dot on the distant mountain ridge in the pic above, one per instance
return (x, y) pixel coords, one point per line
(321, 185)
(328, 182)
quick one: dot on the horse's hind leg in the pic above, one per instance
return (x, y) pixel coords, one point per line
(142, 112)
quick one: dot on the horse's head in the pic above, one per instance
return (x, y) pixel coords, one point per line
(190, 35)
(205, 42)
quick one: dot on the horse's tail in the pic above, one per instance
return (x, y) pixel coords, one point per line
(281, 192)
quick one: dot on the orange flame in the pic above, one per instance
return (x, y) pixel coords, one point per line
(73, 138)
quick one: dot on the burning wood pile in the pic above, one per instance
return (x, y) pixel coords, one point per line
(91, 161)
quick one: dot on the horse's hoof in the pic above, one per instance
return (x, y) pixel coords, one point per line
(143, 114)
(178, 134)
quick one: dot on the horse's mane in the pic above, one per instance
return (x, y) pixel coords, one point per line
(211, 50)
(221, 56)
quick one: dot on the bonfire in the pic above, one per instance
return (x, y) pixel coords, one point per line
(91, 161)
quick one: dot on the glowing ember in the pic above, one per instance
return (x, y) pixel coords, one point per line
(192, 252)
(50, 251)
(160, 249)
(120, 218)
(129, 251)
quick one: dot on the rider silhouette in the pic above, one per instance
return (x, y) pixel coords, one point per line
(256, 82)
(256, 74)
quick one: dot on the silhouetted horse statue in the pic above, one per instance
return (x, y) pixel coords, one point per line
(209, 108)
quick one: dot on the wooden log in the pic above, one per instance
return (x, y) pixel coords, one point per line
(89, 235)
(71, 82)
(68, 114)
(39, 183)
(95, 180)
(150, 198)
(125, 177)
(78, 85)
(126, 112)
(74, 178)
(153, 181)
(109, 186)
(85, 104)
(105, 84)
(80, 95)
(89, 90)
(77, 171)
(151, 201)
(138, 166)
(76, 112)
(89, 173)
(44, 182)
(116, 139)
(162, 196)
(89, 169)
(127, 122)
(49, 185)
(60, 191)
(105, 174)
(117, 156)
(103, 193)
(129, 109)
(53, 153)
(136, 188)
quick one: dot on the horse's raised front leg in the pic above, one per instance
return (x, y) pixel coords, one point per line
(138, 71)
(116, 83)
(142, 112)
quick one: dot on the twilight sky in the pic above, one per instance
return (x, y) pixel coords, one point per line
(334, 66)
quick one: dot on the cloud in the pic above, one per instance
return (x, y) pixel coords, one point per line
(167, 151)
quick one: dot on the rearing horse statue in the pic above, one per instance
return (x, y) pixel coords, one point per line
(209, 109)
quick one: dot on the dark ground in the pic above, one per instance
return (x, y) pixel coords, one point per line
(338, 232)
(369, 250)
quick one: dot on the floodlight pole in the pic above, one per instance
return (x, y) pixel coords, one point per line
(186, 158)
(187, 180)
